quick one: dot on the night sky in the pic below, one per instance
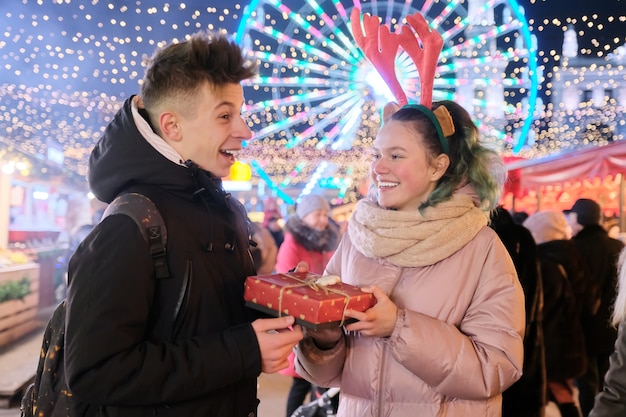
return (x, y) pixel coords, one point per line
(600, 24)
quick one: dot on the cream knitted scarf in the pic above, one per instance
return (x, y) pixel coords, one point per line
(410, 239)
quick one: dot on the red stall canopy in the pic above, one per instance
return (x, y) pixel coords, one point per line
(591, 172)
(588, 163)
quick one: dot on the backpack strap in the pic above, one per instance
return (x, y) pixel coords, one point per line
(147, 217)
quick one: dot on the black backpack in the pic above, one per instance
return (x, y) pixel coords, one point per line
(49, 395)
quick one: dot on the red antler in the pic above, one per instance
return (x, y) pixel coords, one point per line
(425, 55)
(381, 47)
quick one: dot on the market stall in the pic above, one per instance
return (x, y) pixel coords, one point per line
(19, 296)
(554, 183)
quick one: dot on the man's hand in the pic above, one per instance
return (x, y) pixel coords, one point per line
(276, 338)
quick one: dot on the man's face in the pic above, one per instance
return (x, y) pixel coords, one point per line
(213, 134)
(572, 221)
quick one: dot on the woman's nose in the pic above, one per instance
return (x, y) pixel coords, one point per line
(378, 166)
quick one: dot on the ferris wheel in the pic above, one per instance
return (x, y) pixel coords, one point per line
(316, 104)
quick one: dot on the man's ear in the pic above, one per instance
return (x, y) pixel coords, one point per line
(439, 166)
(170, 126)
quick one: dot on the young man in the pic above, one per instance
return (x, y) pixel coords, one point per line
(600, 253)
(184, 345)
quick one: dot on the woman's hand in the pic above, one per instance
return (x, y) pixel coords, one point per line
(378, 321)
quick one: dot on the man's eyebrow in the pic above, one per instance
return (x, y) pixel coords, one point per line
(225, 103)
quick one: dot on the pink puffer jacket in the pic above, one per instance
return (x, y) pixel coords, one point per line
(456, 346)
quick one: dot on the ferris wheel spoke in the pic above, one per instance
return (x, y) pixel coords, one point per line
(479, 82)
(479, 39)
(300, 117)
(503, 57)
(321, 125)
(345, 40)
(301, 165)
(288, 100)
(297, 18)
(347, 127)
(439, 95)
(329, 137)
(282, 38)
(426, 7)
(304, 82)
(315, 67)
(452, 5)
(315, 177)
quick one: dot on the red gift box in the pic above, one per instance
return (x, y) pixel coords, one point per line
(297, 294)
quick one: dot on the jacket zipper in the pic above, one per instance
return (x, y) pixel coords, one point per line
(183, 299)
(379, 400)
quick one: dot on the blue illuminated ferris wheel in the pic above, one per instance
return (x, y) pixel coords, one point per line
(316, 106)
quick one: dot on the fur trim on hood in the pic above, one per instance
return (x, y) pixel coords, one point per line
(311, 239)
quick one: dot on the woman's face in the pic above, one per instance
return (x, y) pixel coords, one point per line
(402, 171)
(317, 219)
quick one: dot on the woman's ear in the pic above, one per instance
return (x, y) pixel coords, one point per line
(440, 166)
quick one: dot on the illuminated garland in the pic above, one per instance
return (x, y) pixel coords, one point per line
(67, 66)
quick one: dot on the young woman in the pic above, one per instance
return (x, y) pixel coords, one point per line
(445, 337)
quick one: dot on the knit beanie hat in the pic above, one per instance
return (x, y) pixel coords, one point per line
(546, 226)
(588, 212)
(309, 203)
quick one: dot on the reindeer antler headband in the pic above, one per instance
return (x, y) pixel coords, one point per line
(380, 46)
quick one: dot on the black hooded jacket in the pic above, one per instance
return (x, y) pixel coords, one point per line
(527, 396)
(192, 353)
(600, 253)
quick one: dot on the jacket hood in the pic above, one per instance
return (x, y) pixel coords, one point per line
(313, 240)
(123, 158)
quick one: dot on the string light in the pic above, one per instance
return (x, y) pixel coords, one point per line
(67, 66)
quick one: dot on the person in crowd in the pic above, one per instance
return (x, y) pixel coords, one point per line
(276, 230)
(564, 285)
(611, 401)
(519, 216)
(264, 250)
(96, 210)
(136, 345)
(78, 233)
(612, 226)
(600, 253)
(445, 337)
(310, 237)
(271, 217)
(527, 397)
